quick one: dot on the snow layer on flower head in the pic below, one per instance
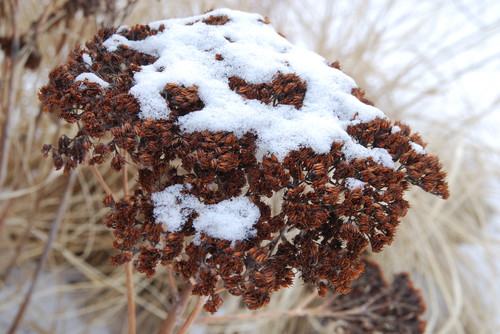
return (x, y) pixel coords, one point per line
(255, 52)
(417, 148)
(352, 183)
(87, 59)
(91, 77)
(232, 219)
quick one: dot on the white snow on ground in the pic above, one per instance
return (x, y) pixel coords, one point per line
(231, 219)
(253, 51)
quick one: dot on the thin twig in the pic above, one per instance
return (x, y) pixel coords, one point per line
(129, 278)
(129, 270)
(5, 212)
(307, 300)
(107, 189)
(43, 259)
(251, 316)
(130, 298)
(297, 312)
(125, 180)
(173, 284)
(321, 311)
(193, 315)
(176, 309)
(11, 67)
(17, 252)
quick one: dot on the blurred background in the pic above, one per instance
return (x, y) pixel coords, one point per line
(433, 64)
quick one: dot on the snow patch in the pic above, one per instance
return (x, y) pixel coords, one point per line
(352, 183)
(231, 219)
(417, 148)
(91, 77)
(253, 51)
(87, 59)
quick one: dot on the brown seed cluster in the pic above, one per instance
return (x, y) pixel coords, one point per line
(284, 89)
(322, 225)
(382, 308)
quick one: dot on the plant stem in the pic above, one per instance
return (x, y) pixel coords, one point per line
(130, 298)
(129, 278)
(129, 269)
(173, 284)
(103, 183)
(321, 311)
(177, 308)
(194, 313)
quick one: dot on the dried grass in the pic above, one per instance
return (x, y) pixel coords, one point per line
(362, 35)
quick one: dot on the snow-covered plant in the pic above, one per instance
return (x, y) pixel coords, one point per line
(257, 160)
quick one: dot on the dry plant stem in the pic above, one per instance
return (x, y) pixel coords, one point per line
(129, 270)
(45, 15)
(17, 252)
(43, 259)
(262, 315)
(321, 311)
(6, 95)
(5, 212)
(128, 266)
(177, 308)
(193, 315)
(107, 189)
(307, 300)
(7, 122)
(130, 298)
(173, 284)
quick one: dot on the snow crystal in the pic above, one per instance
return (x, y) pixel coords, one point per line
(91, 77)
(87, 59)
(173, 208)
(253, 51)
(395, 129)
(231, 219)
(352, 183)
(417, 148)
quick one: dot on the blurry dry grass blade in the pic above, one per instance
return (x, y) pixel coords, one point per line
(43, 258)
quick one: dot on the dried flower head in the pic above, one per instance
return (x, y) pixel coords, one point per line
(374, 306)
(257, 160)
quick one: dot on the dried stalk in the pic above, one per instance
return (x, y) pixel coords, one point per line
(128, 266)
(130, 298)
(9, 94)
(173, 284)
(193, 315)
(177, 308)
(297, 312)
(129, 270)
(103, 183)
